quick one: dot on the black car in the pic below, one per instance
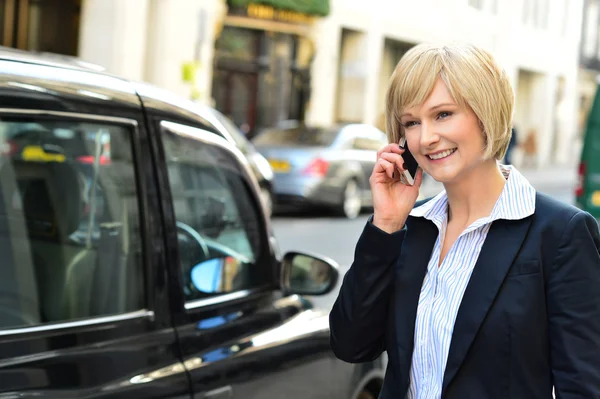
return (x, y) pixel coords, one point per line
(259, 165)
(137, 261)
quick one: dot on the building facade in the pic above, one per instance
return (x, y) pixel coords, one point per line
(536, 41)
(262, 61)
(325, 62)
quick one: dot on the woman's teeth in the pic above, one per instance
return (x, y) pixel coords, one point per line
(441, 155)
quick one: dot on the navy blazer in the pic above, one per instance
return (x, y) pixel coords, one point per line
(529, 318)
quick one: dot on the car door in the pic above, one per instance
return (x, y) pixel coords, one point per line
(82, 309)
(239, 336)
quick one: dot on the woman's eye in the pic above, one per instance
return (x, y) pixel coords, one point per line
(444, 114)
(409, 124)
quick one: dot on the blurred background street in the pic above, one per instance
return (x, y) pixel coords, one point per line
(299, 88)
(334, 237)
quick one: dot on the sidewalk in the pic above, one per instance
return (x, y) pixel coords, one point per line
(543, 179)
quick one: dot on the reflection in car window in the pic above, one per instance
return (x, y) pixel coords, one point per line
(297, 137)
(69, 222)
(217, 222)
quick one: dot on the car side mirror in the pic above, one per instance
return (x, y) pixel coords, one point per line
(207, 276)
(305, 274)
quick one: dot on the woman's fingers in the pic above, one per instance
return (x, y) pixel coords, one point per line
(419, 177)
(384, 166)
(395, 159)
(392, 148)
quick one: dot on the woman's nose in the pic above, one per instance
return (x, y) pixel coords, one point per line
(428, 136)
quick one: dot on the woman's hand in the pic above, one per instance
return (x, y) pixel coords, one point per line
(392, 200)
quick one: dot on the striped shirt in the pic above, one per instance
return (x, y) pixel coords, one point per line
(444, 286)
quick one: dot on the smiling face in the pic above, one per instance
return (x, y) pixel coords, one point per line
(478, 95)
(446, 139)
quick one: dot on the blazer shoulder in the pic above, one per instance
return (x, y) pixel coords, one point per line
(553, 219)
(553, 210)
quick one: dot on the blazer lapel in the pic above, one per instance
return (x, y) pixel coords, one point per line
(414, 258)
(499, 250)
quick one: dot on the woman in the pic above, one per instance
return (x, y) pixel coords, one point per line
(489, 289)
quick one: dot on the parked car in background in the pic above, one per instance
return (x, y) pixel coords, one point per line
(137, 258)
(317, 166)
(260, 166)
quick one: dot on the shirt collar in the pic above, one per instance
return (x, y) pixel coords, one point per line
(517, 200)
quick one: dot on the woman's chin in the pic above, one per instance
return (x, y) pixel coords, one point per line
(444, 177)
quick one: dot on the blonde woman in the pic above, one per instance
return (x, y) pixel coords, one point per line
(488, 290)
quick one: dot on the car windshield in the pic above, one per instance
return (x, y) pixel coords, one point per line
(297, 137)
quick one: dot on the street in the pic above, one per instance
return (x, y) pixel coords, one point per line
(336, 237)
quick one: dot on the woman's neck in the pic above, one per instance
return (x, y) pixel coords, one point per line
(476, 194)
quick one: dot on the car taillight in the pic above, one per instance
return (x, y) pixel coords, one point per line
(580, 180)
(89, 159)
(317, 167)
(10, 148)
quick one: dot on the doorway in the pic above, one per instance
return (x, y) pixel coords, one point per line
(235, 95)
(41, 25)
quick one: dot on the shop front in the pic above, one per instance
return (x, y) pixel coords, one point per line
(40, 25)
(262, 61)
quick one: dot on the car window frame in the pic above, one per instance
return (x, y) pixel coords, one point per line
(145, 312)
(266, 256)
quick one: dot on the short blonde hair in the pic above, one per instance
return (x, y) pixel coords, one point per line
(473, 78)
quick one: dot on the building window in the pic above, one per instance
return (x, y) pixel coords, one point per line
(565, 16)
(536, 13)
(494, 6)
(590, 30)
(478, 4)
(41, 25)
(544, 14)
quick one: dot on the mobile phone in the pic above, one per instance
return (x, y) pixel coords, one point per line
(410, 164)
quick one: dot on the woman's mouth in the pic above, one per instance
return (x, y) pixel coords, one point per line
(441, 155)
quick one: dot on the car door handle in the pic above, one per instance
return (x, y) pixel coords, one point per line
(219, 393)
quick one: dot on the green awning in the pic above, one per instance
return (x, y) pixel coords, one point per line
(311, 7)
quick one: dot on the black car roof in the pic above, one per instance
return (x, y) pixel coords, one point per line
(74, 83)
(48, 59)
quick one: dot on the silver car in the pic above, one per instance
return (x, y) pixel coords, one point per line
(322, 166)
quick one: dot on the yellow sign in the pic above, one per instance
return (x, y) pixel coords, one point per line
(190, 72)
(596, 198)
(267, 12)
(36, 153)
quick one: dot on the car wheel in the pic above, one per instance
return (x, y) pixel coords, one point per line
(351, 202)
(365, 395)
(267, 199)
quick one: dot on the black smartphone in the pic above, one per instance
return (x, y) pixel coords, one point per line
(410, 164)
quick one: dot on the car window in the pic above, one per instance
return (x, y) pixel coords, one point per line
(219, 232)
(69, 221)
(297, 137)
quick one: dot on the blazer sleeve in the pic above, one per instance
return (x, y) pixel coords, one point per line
(358, 318)
(573, 302)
